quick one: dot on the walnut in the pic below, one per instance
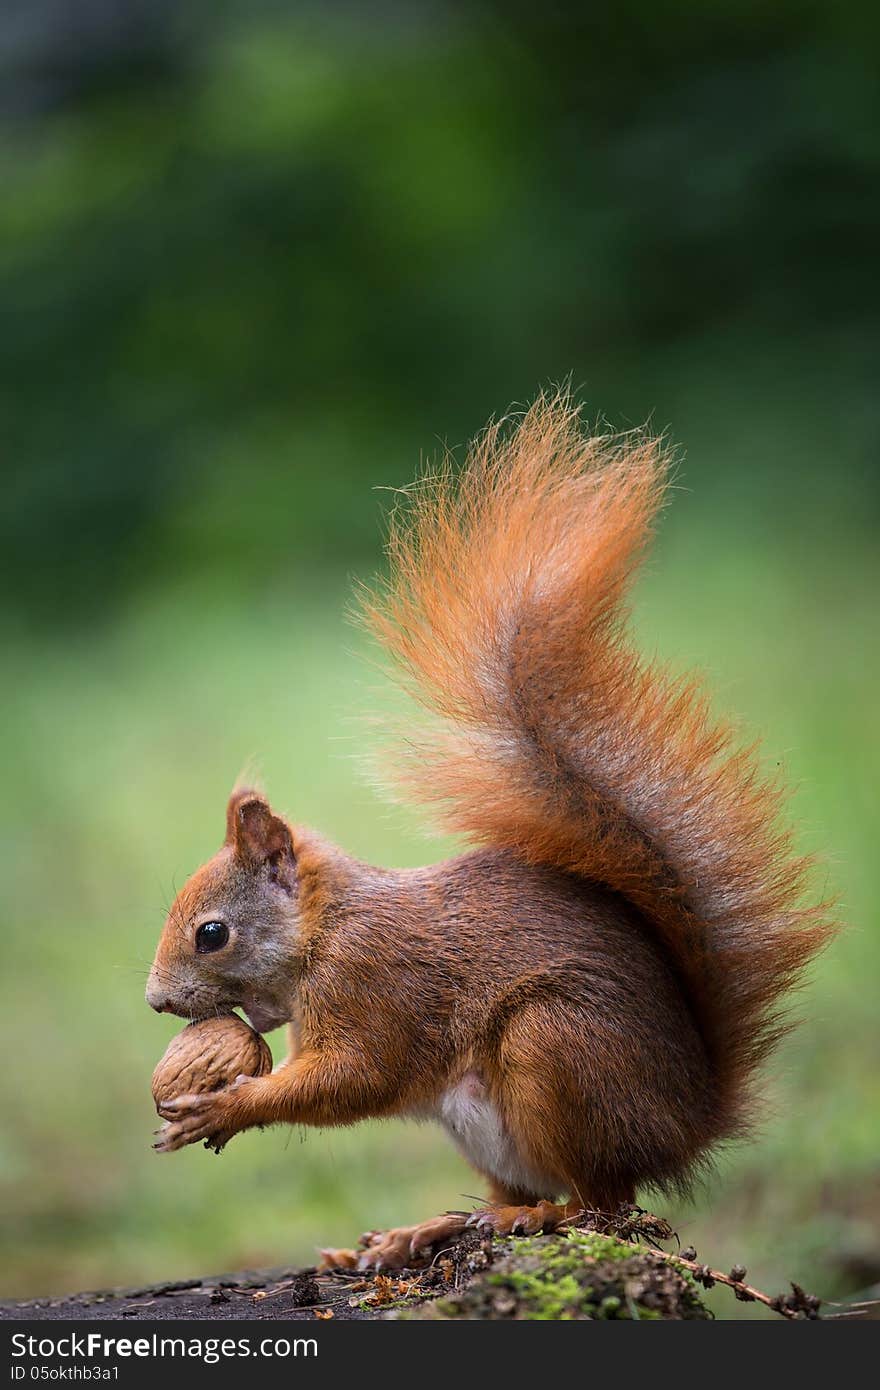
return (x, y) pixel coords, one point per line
(209, 1055)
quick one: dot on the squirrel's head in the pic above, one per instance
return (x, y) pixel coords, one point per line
(231, 938)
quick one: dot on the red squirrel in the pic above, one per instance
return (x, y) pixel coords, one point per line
(581, 1000)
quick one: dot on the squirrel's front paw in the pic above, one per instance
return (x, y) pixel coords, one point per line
(213, 1116)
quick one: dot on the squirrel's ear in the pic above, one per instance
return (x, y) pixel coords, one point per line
(236, 801)
(258, 836)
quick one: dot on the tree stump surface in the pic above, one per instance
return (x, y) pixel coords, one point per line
(579, 1275)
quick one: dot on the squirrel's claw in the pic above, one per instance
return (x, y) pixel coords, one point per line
(408, 1246)
(521, 1221)
(185, 1105)
(188, 1119)
(201, 1101)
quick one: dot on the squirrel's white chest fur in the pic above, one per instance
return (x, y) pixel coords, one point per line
(475, 1125)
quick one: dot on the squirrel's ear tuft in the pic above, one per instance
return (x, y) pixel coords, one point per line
(258, 836)
(238, 798)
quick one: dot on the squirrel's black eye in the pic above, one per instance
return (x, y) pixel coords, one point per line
(211, 936)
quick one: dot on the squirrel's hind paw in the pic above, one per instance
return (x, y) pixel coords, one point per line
(338, 1259)
(523, 1221)
(410, 1246)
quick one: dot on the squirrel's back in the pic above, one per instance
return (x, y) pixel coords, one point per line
(553, 738)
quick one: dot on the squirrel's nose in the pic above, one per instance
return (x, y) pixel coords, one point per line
(156, 997)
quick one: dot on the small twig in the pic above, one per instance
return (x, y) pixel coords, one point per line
(787, 1305)
(634, 1223)
(447, 1250)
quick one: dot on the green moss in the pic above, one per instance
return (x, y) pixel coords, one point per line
(572, 1249)
(543, 1297)
(580, 1275)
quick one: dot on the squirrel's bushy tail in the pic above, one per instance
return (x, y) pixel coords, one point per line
(557, 740)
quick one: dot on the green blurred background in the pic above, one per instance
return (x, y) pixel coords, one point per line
(255, 262)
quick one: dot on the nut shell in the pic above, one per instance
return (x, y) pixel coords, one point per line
(208, 1055)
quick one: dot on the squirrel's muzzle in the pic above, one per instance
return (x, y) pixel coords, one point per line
(156, 996)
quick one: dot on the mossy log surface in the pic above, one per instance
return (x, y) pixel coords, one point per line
(580, 1275)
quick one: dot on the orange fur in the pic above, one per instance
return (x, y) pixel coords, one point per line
(504, 612)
